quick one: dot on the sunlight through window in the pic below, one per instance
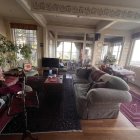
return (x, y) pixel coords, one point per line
(135, 58)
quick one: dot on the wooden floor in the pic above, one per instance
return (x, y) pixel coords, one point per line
(109, 129)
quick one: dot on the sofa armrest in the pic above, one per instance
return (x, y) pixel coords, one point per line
(108, 95)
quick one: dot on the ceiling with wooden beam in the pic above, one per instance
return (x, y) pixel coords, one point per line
(76, 16)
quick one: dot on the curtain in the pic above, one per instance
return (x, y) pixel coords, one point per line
(23, 26)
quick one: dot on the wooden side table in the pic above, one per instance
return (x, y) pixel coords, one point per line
(54, 84)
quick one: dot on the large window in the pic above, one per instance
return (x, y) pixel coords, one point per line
(117, 51)
(22, 36)
(67, 51)
(104, 52)
(135, 58)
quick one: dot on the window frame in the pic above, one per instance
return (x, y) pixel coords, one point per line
(131, 53)
(14, 35)
(118, 60)
(63, 42)
(103, 50)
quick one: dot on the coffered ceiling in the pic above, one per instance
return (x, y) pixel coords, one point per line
(71, 21)
(83, 16)
(122, 3)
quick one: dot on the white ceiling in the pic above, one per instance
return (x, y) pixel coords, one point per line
(126, 26)
(11, 9)
(71, 21)
(123, 3)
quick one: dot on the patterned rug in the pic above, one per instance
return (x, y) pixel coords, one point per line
(132, 110)
(55, 113)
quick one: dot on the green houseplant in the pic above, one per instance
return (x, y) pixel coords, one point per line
(8, 51)
(109, 59)
(25, 51)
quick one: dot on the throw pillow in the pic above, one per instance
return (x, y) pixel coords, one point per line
(96, 75)
(83, 72)
(11, 80)
(27, 67)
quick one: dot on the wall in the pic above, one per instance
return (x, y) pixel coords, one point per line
(125, 50)
(39, 45)
(2, 27)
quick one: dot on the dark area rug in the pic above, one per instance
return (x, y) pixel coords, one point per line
(132, 110)
(55, 113)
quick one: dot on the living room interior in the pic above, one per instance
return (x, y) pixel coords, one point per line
(69, 69)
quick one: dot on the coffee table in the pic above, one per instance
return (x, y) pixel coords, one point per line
(54, 85)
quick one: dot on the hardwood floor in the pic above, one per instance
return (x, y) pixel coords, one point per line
(107, 129)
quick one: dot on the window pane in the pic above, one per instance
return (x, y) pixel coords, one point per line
(88, 52)
(67, 47)
(59, 55)
(74, 56)
(135, 59)
(66, 56)
(22, 36)
(74, 48)
(59, 48)
(104, 52)
(115, 48)
(117, 51)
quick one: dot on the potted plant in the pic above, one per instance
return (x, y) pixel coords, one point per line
(8, 52)
(25, 51)
(109, 59)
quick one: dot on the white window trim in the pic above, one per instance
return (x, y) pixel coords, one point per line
(131, 52)
(12, 32)
(120, 51)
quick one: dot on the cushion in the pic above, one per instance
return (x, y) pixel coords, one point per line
(27, 67)
(11, 80)
(99, 84)
(96, 75)
(83, 72)
(81, 89)
(12, 72)
(77, 79)
(117, 83)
